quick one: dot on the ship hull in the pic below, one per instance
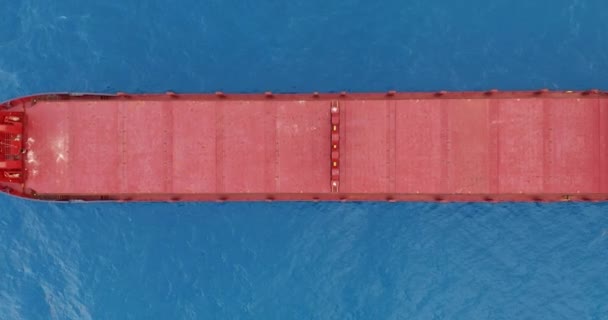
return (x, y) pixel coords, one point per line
(461, 146)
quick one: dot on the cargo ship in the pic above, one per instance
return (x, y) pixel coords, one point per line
(538, 145)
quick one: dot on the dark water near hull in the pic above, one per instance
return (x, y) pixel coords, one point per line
(302, 260)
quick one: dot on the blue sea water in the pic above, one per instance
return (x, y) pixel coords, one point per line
(302, 260)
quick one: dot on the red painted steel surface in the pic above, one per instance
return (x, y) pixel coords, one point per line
(475, 146)
(11, 145)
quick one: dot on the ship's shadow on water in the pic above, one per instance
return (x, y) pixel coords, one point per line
(302, 260)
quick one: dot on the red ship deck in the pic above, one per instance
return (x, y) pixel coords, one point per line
(465, 146)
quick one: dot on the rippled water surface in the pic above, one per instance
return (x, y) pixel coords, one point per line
(302, 260)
